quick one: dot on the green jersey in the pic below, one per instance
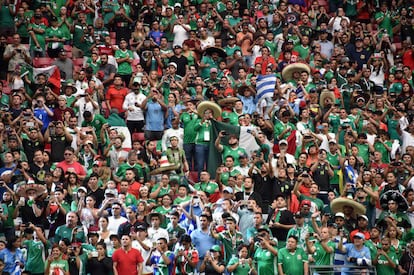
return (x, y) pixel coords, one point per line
(234, 152)
(36, 256)
(97, 122)
(321, 256)
(208, 187)
(382, 266)
(292, 262)
(241, 269)
(280, 127)
(203, 132)
(266, 261)
(179, 200)
(57, 33)
(230, 243)
(300, 233)
(189, 121)
(39, 36)
(120, 173)
(65, 232)
(124, 68)
(224, 177)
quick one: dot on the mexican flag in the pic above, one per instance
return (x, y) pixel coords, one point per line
(52, 73)
(246, 141)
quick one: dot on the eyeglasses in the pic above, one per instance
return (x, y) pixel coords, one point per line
(116, 208)
(67, 154)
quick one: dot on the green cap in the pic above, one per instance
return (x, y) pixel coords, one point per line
(215, 248)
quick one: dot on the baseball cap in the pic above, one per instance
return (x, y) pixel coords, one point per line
(359, 235)
(213, 70)
(363, 217)
(306, 203)
(332, 141)
(228, 189)
(173, 63)
(112, 192)
(283, 141)
(215, 248)
(140, 227)
(340, 215)
(177, 5)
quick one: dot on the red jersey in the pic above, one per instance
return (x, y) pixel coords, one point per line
(116, 97)
(126, 261)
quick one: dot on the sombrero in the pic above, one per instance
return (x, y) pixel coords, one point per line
(338, 204)
(153, 214)
(324, 95)
(165, 166)
(229, 99)
(23, 188)
(287, 72)
(394, 196)
(219, 51)
(203, 106)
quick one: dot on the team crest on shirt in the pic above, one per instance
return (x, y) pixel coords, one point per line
(299, 257)
(267, 253)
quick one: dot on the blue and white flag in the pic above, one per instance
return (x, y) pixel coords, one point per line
(265, 86)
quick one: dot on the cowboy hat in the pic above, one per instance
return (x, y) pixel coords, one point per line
(23, 188)
(338, 204)
(219, 51)
(393, 195)
(325, 94)
(153, 214)
(287, 72)
(229, 99)
(203, 106)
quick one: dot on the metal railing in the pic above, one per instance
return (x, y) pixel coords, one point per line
(337, 269)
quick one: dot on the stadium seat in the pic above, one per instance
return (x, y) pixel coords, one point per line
(78, 62)
(68, 48)
(138, 136)
(40, 62)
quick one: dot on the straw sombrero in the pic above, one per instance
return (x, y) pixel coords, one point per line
(165, 166)
(229, 99)
(23, 188)
(324, 95)
(287, 72)
(338, 204)
(203, 106)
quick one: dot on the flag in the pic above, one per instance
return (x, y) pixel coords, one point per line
(265, 86)
(116, 122)
(246, 141)
(52, 72)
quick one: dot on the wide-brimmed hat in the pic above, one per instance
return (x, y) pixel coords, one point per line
(219, 51)
(324, 95)
(287, 72)
(229, 99)
(155, 214)
(162, 169)
(393, 195)
(203, 106)
(23, 188)
(337, 205)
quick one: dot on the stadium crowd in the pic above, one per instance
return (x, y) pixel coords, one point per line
(216, 137)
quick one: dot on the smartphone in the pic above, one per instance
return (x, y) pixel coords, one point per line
(30, 124)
